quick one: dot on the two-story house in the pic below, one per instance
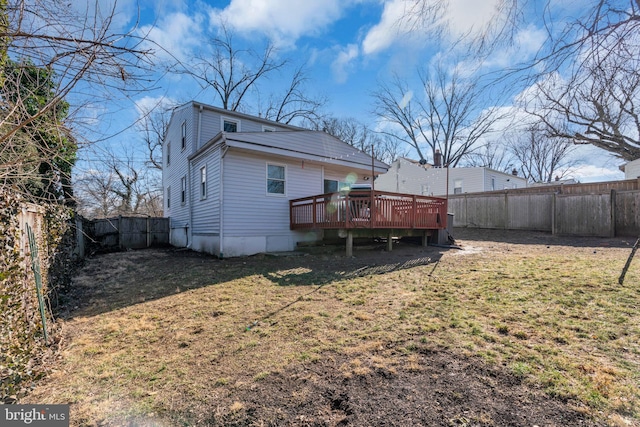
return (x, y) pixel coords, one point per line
(228, 178)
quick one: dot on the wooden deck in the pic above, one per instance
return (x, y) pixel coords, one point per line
(367, 209)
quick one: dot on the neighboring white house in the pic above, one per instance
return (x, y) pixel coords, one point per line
(228, 178)
(631, 169)
(407, 176)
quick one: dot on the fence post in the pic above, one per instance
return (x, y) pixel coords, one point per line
(553, 213)
(148, 231)
(79, 237)
(612, 230)
(506, 210)
(120, 231)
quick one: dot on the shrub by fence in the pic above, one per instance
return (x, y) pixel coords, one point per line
(22, 343)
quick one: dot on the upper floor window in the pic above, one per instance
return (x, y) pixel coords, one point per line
(275, 179)
(203, 182)
(268, 129)
(230, 125)
(168, 153)
(457, 186)
(184, 135)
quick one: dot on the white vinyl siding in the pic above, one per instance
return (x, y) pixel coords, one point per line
(248, 210)
(206, 211)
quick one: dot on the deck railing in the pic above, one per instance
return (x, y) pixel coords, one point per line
(368, 209)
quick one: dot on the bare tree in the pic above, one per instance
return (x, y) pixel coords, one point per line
(233, 72)
(493, 155)
(359, 135)
(236, 74)
(71, 46)
(152, 128)
(450, 118)
(541, 156)
(596, 54)
(599, 102)
(118, 185)
(295, 104)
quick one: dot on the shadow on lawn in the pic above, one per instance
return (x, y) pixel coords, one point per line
(113, 281)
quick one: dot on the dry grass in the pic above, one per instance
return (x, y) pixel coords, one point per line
(553, 315)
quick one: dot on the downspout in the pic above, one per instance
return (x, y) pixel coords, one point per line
(189, 201)
(225, 148)
(189, 189)
(199, 127)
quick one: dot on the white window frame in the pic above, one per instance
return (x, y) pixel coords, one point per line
(169, 197)
(268, 128)
(203, 182)
(183, 190)
(283, 194)
(230, 120)
(456, 187)
(493, 183)
(168, 153)
(183, 135)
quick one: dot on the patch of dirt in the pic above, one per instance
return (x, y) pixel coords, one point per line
(443, 388)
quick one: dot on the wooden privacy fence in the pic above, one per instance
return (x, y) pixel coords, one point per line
(613, 213)
(128, 232)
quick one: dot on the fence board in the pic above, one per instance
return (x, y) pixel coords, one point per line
(628, 213)
(583, 214)
(606, 213)
(129, 232)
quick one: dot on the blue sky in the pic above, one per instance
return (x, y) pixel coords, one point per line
(348, 47)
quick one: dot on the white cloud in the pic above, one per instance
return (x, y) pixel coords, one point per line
(343, 62)
(174, 35)
(595, 173)
(284, 21)
(150, 103)
(401, 22)
(392, 27)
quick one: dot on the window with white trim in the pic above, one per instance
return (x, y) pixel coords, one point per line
(276, 179)
(168, 197)
(168, 153)
(268, 128)
(183, 137)
(183, 190)
(493, 183)
(230, 125)
(203, 182)
(457, 186)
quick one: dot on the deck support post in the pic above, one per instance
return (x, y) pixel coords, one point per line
(389, 242)
(349, 243)
(425, 238)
